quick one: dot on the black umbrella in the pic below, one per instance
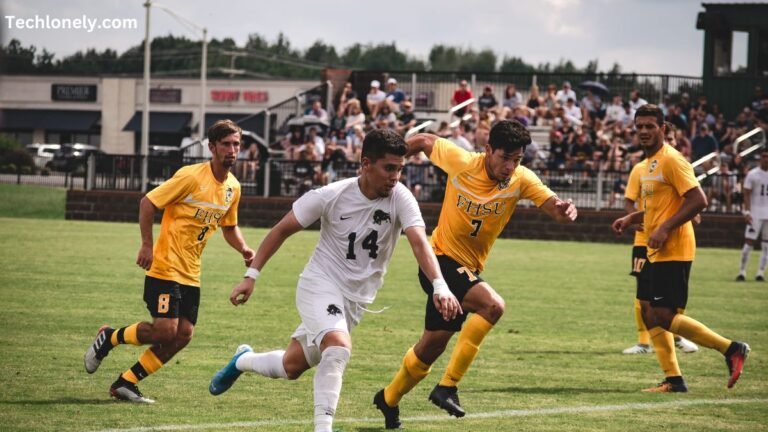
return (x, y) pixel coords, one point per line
(594, 87)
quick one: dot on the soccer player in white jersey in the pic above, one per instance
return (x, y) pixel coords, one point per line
(756, 214)
(361, 221)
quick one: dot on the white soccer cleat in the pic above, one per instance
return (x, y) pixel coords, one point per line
(98, 349)
(685, 345)
(638, 349)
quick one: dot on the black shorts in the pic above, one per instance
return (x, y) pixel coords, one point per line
(669, 284)
(168, 299)
(641, 270)
(459, 280)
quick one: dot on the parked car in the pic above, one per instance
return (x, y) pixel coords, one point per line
(42, 153)
(71, 156)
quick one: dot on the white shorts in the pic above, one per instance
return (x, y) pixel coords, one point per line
(757, 229)
(322, 308)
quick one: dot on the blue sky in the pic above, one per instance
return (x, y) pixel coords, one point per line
(648, 36)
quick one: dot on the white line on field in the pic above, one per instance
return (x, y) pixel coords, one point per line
(437, 418)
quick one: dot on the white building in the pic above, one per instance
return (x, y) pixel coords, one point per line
(106, 111)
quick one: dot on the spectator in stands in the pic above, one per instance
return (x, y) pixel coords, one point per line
(756, 103)
(675, 117)
(317, 111)
(682, 143)
(685, 105)
(482, 134)
(535, 104)
(520, 113)
(615, 111)
(591, 107)
(443, 131)
(617, 155)
(248, 163)
(565, 93)
(457, 137)
(461, 94)
(703, 144)
(665, 105)
(348, 94)
(487, 101)
(572, 111)
(721, 188)
(512, 97)
(317, 142)
(292, 142)
(416, 173)
(407, 118)
(354, 116)
(395, 96)
(374, 98)
(627, 118)
(581, 154)
(550, 100)
(355, 143)
(385, 119)
(635, 101)
(558, 150)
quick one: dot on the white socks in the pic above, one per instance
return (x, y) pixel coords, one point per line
(745, 250)
(763, 259)
(328, 378)
(269, 364)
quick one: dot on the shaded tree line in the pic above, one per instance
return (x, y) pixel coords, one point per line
(262, 58)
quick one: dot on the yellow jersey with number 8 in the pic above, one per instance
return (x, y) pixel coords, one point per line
(195, 204)
(475, 208)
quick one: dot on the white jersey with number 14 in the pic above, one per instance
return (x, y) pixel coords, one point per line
(357, 234)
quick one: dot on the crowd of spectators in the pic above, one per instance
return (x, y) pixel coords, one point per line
(588, 134)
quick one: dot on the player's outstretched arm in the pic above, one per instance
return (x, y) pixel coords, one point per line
(287, 227)
(234, 237)
(422, 142)
(146, 219)
(559, 210)
(445, 302)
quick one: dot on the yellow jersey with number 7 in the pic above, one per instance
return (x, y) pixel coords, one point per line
(475, 208)
(195, 204)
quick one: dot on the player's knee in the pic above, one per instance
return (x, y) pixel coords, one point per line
(293, 373)
(183, 338)
(164, 335)
(494, 309)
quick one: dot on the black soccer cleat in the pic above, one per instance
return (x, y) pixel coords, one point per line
(125, 390)
(98, 349)
(760, 278)
(447, 398)
(391, 414)
(740, 278)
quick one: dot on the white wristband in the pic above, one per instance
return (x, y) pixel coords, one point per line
(440, 288)
(252, 273)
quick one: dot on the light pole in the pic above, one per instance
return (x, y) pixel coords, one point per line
(203, 78)
(144, 151)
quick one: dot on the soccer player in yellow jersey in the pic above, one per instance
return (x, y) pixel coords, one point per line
(640, 267)
(197, 200)
(671, 197)
(481, 194)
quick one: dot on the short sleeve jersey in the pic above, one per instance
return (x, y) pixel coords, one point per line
(633, 192)
(357, 234)
(475, 208)
(665, 179)
(195, 204)
(757, 184)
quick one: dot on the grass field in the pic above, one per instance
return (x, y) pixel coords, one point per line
(26, 201)
(552, 363)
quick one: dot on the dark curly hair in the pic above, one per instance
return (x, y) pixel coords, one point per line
(509, 135)
(381, 142)
(651, 110)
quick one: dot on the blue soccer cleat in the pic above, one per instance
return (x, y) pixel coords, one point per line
(226, 376)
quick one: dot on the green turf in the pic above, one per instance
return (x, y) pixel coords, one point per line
(27, 201)
(569, 315)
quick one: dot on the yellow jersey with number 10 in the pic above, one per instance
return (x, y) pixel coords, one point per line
(195, 204)
(475, 208)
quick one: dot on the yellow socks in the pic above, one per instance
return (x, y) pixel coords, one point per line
(643, 338)
(125, 335)
(411, 372)
(147, 365)
(470, 338)
(664, 345)
(689, 328)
